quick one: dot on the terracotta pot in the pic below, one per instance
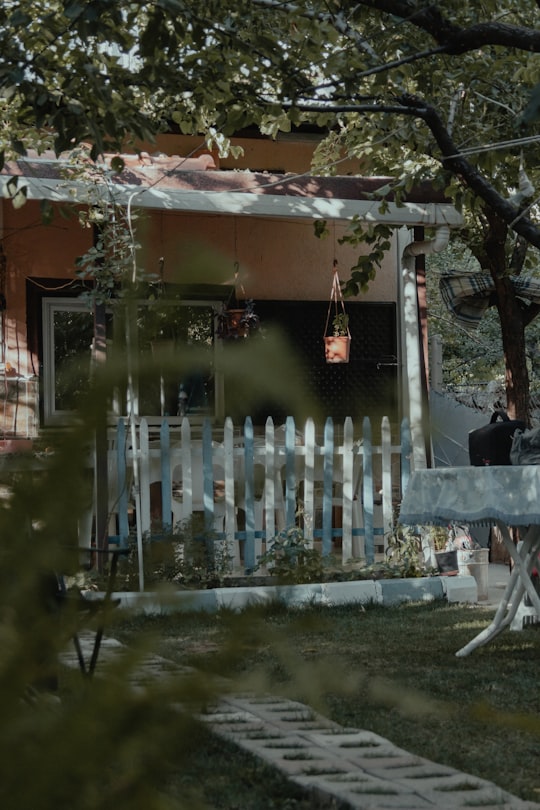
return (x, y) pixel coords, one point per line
(234, 326)
(336, 349)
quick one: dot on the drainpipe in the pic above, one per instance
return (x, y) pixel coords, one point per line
(429, 246)
(413, 365)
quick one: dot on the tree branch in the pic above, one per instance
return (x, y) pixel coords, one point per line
(451, 158)
(454, 38)
(461, 167)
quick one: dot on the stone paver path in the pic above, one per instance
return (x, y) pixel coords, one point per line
(341, 767)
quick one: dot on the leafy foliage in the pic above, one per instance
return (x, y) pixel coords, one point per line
(104, 742)
(187, 555)
(291, 560)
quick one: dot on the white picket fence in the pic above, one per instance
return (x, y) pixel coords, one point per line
(248, 485)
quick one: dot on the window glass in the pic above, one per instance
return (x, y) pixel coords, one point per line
(176, 359)
(173, 347)
(68, 330)
(73, 335)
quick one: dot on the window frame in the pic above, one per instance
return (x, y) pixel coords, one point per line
(51, 303)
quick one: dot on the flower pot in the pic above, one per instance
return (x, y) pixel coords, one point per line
(234, 324)
(447, 562)
(336, 349)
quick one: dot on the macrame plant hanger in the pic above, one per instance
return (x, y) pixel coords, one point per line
(337, 343)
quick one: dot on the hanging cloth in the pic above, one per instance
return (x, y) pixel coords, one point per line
(469, 296)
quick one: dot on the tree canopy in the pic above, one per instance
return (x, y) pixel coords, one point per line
(445, 91)
(414, 89)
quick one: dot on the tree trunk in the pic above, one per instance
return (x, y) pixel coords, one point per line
(515, 360)
(511, 318)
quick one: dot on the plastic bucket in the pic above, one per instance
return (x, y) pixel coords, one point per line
(475, 563)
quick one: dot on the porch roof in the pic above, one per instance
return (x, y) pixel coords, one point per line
(194, 185)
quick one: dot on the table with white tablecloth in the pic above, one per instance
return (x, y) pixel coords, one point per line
(500, 496)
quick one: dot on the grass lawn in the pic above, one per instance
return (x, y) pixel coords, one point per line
(391, 670)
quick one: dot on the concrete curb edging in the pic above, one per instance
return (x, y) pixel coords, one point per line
(380, 592)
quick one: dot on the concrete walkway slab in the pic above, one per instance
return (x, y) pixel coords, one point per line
(339, 766)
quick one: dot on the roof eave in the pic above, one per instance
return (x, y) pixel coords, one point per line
(242, 203)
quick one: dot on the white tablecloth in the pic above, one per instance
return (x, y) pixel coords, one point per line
(473, 495)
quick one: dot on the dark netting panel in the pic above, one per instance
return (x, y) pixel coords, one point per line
(368, 384)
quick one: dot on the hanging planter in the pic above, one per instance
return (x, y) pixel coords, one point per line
(337, 343)
(237, 319)
(237, 322)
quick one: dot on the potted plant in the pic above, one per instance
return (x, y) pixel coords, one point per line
(235, 321)
(337, 345)
(237, 318)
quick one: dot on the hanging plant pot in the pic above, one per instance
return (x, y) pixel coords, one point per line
(237, 322)
(338, 344)
(336, 349)
(237, 319)
(232, 324)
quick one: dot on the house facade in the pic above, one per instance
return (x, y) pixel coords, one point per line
(210, 230)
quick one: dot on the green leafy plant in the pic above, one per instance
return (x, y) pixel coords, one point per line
(188, 555)
(340, 325)
(437, 537)
(290, 559)
(404, 552)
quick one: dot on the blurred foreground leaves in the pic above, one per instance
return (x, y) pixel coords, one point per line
(100, 742)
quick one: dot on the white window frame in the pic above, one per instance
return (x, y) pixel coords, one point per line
(51, 305)
(54, 415)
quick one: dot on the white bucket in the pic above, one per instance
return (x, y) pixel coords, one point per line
(475, 563)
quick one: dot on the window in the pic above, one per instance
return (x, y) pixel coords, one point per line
(173, 349)
(68, 331)
(176, 354)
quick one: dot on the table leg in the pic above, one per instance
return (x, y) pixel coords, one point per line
(525, 557)
(518, 583)
(499, 622)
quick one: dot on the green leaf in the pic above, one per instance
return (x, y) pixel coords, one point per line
(320, 229)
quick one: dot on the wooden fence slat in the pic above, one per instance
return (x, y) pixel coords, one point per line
(208, 476)
(328, 486)
(166, 482)
(367, 491)
(290, 472)
(347, 461)
(249, 480)
(406, 454)
(386, 458)
(309, 481)
(187, 470)
(270, 482)
(142, 457)
(229, 491)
